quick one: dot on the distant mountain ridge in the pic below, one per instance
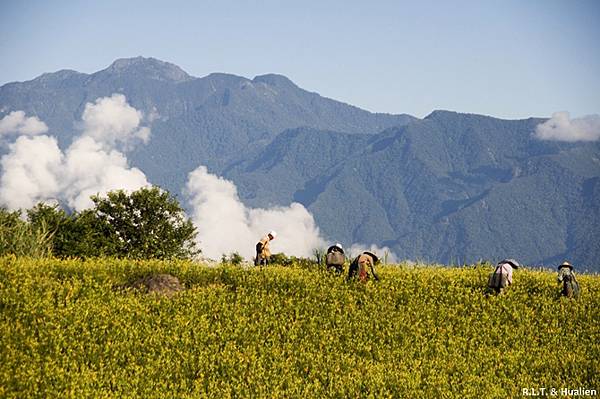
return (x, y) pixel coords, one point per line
(448, 188)
(213, 120)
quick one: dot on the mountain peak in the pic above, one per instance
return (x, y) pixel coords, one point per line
(273, 79)
(150, 67)
(441, 113)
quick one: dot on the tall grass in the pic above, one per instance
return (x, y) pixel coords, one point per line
(20, 238)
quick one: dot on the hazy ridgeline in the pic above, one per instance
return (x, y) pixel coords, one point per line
(68, 329)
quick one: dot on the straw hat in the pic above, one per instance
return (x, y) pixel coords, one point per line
(513, 263)
(372, 255)
(337, 247)
(566, 264)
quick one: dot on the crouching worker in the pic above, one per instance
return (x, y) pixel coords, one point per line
(335, 258)
(570, 286)
(263, 252)
(501, 278)
(363, 267)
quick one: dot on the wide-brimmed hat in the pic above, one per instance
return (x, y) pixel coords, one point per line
(372, 255)
(513, 263)
(337, 246)
(565, 264)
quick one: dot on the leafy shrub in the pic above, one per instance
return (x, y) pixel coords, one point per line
(281, 259)
(234, 258)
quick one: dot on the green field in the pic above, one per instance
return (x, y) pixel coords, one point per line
(68, 329)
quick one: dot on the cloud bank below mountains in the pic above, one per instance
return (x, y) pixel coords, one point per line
(226, 225)
(562, 128)
(36, 170)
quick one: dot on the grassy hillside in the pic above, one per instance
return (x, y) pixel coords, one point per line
(68, 330)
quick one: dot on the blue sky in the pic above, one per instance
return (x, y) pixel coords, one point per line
(509, 59)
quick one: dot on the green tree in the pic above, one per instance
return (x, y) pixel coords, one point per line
(147, 223)
(76, 235)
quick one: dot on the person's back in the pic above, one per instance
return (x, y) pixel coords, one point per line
(335, 258)
(363, 267)
(502, 277)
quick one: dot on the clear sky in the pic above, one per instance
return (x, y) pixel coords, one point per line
(509, 59)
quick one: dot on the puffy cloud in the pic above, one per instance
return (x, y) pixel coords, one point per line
(18, 124)
(31, 172)
(562, 128)
(89, 169)
(112, 121)
(297, 233)
(226, 225)
(36, 170)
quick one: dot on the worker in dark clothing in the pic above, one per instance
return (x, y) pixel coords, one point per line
(566, 277)
(335, 258)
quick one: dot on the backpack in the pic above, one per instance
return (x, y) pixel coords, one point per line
(335, 258)
(498, 279)
(570, 286)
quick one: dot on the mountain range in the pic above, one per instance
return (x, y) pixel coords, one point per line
(448, 188)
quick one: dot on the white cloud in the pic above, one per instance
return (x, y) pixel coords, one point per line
(562, 128)
(17, 123)
(31, 172)
(90, 169)
(112, 121)
(226, 225)
(297, 233)
(384, 253)
(36, 170)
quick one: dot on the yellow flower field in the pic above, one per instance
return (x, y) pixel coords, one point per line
(70, 329)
